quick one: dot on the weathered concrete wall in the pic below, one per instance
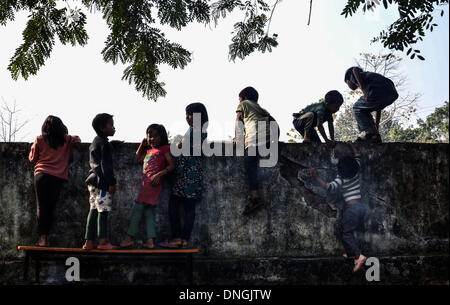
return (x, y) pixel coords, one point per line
(406, 187)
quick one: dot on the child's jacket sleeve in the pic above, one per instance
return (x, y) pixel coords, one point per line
(107, 165)
(101, 174)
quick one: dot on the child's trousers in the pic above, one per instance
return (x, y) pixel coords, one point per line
(97, 224)
(100, 202)
(47, 189)
(352, 220)
(304, 124)
(362, 110)
(251, 168)
(148, 211)
(174, 214)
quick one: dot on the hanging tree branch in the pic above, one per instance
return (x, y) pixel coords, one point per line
(310, 9)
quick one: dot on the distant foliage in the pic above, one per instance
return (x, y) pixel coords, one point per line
(11, 123)
(434, 129)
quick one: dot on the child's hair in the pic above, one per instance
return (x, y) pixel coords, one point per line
(198, 108)
(349, 75)
(100, 122)
(334, 97)
(347, 167)
(53, 130)
(249, 93)
(164, 140)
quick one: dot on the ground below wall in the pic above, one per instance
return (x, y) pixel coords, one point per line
(404, 185)
(409, 270)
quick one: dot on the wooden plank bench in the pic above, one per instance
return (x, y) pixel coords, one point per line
(39, 253)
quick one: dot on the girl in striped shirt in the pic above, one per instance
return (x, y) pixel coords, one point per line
(347, 182)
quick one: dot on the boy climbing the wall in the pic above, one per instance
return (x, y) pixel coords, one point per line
(315, 115)
(347, 182)
(378, 93)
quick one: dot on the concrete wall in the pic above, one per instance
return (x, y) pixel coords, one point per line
(406, 187)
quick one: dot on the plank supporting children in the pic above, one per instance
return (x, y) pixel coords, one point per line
(38, 254)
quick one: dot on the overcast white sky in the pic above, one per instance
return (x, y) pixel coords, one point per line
(76, 84)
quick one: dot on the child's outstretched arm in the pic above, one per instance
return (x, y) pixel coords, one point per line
(314, 173)
(331, 130)
(331, 187)
(140, 152)
(34, 152)
(239, 132)
(324, 135)
(156, 179)
(322, 130)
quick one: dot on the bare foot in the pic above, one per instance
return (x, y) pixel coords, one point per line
(149, 244)
(89, 245)
(127, 242)
(107, 246)
(43, 241)
(359, 262)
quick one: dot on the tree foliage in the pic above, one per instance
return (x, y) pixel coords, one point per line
(252, 33)
(415, 18)
(136, 40)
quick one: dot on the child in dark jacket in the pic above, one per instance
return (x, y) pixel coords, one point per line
(101, 183)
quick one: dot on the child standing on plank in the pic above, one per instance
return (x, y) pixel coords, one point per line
(187, 189)
(50, 154)
(315, 115)
(250, 113)
(101, 183)
(347, 182)
(378, 93)
(154, 152)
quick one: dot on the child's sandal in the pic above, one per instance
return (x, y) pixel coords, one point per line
(147, 247)
(170, 245)
(107, 246)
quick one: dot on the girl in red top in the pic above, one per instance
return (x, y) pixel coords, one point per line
(154, 152)
(50, 153)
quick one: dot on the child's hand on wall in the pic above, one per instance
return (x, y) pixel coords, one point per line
(313, 172)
